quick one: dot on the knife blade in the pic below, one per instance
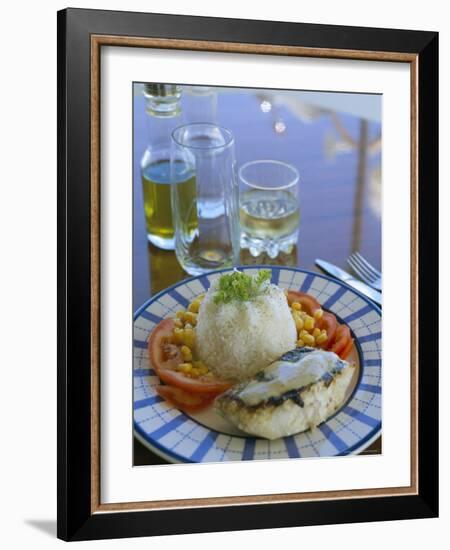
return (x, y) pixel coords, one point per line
(342, 275)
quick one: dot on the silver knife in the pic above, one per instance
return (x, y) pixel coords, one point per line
(342, 275)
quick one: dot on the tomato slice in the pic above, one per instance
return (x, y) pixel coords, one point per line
(339, 338)
(194, 385)
(343, 337)
(165, 356)
(163, 353)
(309, 303)
(184, 400)
(330, 324)
(346, 351)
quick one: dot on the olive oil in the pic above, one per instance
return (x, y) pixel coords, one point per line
(156, 183)
(163, 111)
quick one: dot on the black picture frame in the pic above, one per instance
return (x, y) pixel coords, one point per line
(76, 519)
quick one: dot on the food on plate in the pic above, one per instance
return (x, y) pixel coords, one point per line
(318, 328)
(233, 333)
(166, 357)
(244, 323)
(297, 392)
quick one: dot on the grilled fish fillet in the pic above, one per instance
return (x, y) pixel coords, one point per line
(297, 392)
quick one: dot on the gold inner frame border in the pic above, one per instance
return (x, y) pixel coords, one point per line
(97, 41)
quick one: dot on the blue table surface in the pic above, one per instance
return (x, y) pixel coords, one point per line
(338, 156)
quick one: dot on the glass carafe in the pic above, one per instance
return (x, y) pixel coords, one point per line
(164, 114)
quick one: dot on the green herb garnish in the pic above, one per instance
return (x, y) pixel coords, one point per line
(240, 287)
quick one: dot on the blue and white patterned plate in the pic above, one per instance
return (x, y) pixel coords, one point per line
(206, 437)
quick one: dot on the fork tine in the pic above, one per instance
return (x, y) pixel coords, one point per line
(351, 262)
(361, 269)
(368, 265)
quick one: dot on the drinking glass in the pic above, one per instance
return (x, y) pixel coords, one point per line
(205, 205)
(269, 207)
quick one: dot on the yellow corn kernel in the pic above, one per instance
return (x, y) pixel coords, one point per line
(300, 343)
(194, 306)
(190, 318)
(316, 332)
(299, 323)
(309, 339)
(322, 338)
(178, 335)
(185, 368)
(309, 323)
(180, 315)
(178, 323)
(296, 305)
(189, 337)
(186, 353)
(195, 372)
(318, 314)
(201, 367)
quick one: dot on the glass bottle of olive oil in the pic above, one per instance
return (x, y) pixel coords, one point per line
(164, 115)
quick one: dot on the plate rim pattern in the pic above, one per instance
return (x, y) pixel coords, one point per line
(291, 444)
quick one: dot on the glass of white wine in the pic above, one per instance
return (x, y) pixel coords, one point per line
(269, 207)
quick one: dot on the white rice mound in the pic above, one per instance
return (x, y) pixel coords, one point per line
(237, 339)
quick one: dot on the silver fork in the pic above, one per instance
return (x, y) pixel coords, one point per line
(365, 271)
